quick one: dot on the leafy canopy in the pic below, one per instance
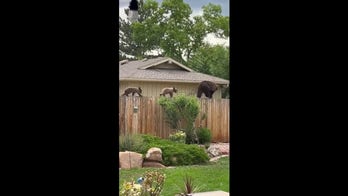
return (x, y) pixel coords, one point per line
(170, 30)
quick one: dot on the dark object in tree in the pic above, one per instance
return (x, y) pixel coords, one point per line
(208, 88)
(133, 5)
(168, 91)
(133, 14)
(133, 91)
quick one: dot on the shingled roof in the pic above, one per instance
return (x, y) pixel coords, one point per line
(151, 70)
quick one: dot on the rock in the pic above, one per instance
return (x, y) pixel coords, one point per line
(225, 151)
(154, 154)
(214, 151)
(130, 160)
(153, 158)
(152, 164)
(214, 159)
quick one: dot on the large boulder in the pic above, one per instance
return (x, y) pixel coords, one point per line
(153, 158)
(130, 160)
(154, 155)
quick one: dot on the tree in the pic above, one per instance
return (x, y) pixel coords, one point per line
(181, 112)
(169, 29)
(212, 60)
(127, 44)
(216, 23)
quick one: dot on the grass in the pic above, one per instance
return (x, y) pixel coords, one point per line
(209, 177)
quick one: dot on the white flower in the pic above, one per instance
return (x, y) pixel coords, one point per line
(137, 186)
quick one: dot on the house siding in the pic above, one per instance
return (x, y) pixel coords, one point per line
(153, 89)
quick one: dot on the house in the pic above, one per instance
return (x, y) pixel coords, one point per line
(152, 75)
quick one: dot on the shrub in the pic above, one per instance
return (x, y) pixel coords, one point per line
(191, 136)
(204, 135)
(131, 142)
(175, 154)
(181, 112)
(130, 188)
(153, 183)
(178, 136)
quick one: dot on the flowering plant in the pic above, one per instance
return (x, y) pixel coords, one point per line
(178, 136)
(130, 189)
(151, 185)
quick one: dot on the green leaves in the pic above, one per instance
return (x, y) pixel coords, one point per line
(189, 186)
(216, 23)
(181, 111)
(175, 153)
(212, 60)
(169, 29)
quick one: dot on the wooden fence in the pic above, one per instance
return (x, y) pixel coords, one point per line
(143, 115)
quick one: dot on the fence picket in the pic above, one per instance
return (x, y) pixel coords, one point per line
(150, 118)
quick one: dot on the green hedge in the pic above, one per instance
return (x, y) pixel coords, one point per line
(204, 135)
(176, 154)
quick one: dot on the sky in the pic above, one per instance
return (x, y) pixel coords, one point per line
(196, 6)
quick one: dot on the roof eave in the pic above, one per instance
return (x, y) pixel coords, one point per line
(165, 60)
(178, 81)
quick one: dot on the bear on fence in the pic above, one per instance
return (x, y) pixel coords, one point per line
(133, 91)
(169, 91)
(208, 88)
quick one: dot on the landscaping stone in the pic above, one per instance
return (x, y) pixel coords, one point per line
(130, 160)
(213, 151)
(154, 154)
(225, 152)
(217, 149)
(152, 164)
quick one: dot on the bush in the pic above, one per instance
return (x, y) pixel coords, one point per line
(181, 112)
(191, 136)
(153, 183)
(176, 154)
(204, 135)
(178, 136)
(131, 142)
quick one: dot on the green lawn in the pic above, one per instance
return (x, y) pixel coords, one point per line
(210, 177)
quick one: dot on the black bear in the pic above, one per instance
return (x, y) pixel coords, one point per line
(208, 88)
(133, 91)
(168, 91)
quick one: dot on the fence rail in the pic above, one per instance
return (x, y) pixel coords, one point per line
(143, 115)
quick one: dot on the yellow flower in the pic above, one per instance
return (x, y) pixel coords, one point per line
(128, 186)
